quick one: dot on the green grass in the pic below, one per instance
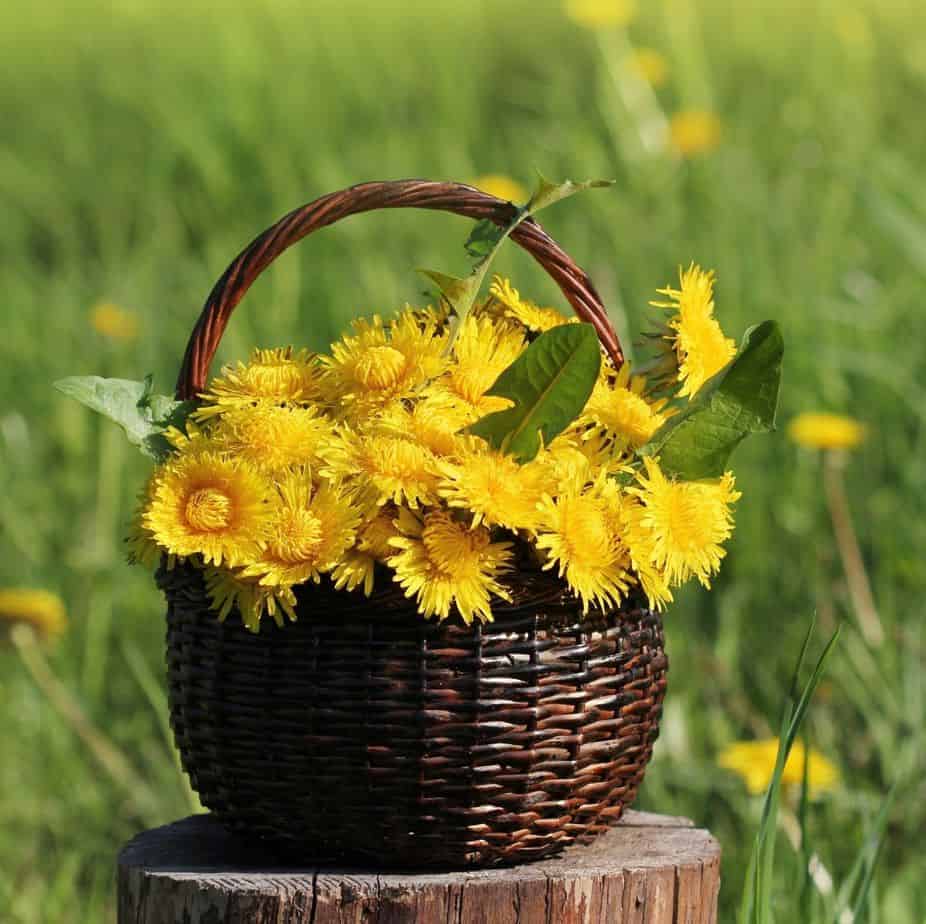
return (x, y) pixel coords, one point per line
(144, 144)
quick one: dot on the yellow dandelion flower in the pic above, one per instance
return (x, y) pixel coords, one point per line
(754, 762)
(310, 530)
(502, 187)
(277, 375)
(826, 431)
(700, 346)
(441, 562)
(483, 349)
(683, 523)
(600, 14)
(619, 405)
(694, 132)
(580, 533)
(433, 422)
(380, 362)
(40, 609)
(641, 546)
(114, 322)
(358, 566)
(205, 503)
(525, 312)
(494, 488)
(649, 65)
(141, 546)
(377, 466)
(229, 590)
(274, 436)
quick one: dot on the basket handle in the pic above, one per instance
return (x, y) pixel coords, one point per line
(365, 197)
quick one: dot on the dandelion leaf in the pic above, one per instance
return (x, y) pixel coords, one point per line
(549, 384)
(741, 399)
(142, 414)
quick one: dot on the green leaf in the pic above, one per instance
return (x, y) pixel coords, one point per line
(549, 384)
(741, 399)
(483, 238)
(486, 240)
(143, 415)
(546, 192)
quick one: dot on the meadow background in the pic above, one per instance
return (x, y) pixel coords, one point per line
(144, 143)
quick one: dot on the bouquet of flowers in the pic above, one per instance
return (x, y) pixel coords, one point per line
(452, 447)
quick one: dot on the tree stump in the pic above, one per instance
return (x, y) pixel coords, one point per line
(649, 869)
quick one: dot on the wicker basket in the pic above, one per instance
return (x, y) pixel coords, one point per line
(363, 731)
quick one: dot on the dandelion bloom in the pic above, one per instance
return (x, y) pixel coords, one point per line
(502, 187)
(358, 566)
(533, 317)
(276, 376)
(203, 502)
(114, 322)
(683, 524)
(443, 562)
(701, 347)
(381, 362)
(618, 404)
(483, 349)
(310, 528)
(826, 431)
(273, 436)
(494, 488)
(694, 132)
(378, 466)
(580, 533)
(599, 14)
(649, 65)
(40, 609)
(754, 761)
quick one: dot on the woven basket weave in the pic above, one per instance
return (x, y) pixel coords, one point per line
(363, 731)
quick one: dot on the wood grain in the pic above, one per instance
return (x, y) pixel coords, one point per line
(649, 869)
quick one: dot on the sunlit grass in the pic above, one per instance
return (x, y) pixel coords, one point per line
(145, 144)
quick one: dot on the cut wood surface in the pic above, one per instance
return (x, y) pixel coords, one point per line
(649, 869)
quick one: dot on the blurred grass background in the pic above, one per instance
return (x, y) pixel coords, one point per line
(144, 144)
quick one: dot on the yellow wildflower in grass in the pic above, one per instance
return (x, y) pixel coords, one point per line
(273, 436)
(679, 526)
(203, 502)
(754, 761)
(441, 562)
(277, 375)
(649, 65)
(114, 322)
(599, 14)
(618, 404)
(380, 362)
(502, 187)
(40, 609)
(494, 488)
(310, 528)
(826, 431)
(357, 567)
(377, 466)
(525, 312)
(700, 346)
(580, 533)
(694, 132)
(484, 348)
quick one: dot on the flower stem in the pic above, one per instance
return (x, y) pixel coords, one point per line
(106, 754)
(849, 552)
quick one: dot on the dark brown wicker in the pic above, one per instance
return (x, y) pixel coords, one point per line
(362, 730)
